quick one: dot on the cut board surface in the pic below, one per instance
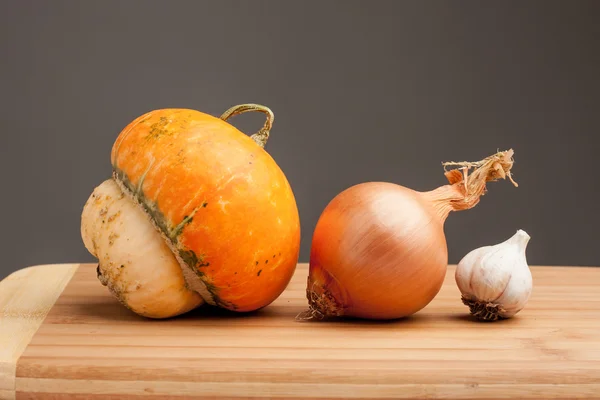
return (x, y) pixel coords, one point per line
(88, 346)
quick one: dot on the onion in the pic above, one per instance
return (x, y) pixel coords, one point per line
(379, 249)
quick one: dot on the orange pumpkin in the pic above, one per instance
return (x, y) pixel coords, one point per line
(221, 203)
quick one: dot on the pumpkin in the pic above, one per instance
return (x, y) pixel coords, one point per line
(195, 212)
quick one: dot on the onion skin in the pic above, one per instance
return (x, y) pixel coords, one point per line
(379, 250)
(384, 264)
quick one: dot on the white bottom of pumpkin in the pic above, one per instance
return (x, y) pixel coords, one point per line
(136, 262)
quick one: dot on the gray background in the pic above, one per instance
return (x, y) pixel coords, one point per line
(361, 91)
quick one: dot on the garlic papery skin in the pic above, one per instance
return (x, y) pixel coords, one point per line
(495, 281)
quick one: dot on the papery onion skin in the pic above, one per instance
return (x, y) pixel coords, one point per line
(383, 263)
(379, 250)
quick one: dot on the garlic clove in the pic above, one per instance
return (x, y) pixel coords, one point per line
(519, 289)
(495, 281)
(517, 293)
(464, 269)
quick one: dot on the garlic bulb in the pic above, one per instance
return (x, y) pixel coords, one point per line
(495, 281)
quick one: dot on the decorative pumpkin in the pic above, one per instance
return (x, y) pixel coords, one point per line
(195, 212)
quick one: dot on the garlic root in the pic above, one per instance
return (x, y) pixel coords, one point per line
(135, 263)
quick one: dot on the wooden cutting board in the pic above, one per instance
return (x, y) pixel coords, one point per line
(64, 337)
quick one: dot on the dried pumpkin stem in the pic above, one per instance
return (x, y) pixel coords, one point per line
(262, 135)
(472, 185)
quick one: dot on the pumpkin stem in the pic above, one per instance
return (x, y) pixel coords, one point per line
(262, 135)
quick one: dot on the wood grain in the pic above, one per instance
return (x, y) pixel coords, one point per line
(89, 346)
(26, 296)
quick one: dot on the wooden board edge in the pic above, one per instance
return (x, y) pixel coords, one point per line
(69, 389)
(26, 297)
